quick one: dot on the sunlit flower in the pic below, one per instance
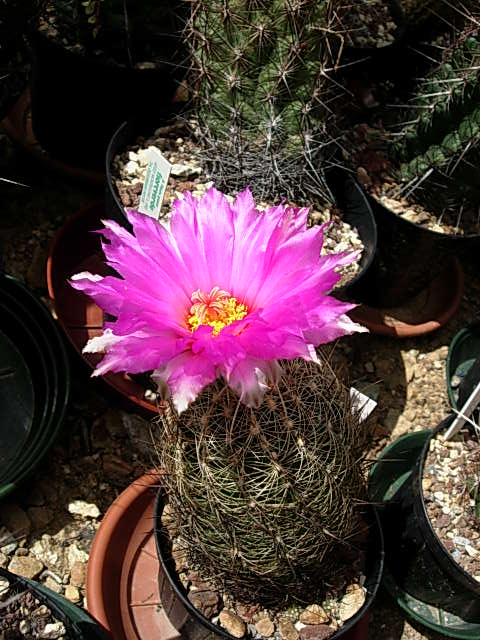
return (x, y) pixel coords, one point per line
(227, 292)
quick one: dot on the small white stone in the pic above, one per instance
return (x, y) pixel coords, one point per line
(4, 586)
(439, 495)
(131, 167)
(133, 156)
(24, 627)
(472, 552)
(52, 631)
(85, 509)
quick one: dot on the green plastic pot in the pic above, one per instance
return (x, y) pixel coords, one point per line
(78, 623)
(463, 361)
(33, 330)
(410, 555)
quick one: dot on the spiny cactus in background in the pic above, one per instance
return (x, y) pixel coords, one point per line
(261, 83)
(439, 145)
(264, 499)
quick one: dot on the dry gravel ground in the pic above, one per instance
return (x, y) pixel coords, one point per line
(47, 527)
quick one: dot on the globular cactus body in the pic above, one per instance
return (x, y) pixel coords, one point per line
(264, 499)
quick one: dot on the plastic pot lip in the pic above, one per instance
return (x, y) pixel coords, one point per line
(158, 508)
(342, 175)
(457, 340)
(44, 596)
(60, 392)
(451, 237)
(475, 586)
(125, 129)
(40, 39)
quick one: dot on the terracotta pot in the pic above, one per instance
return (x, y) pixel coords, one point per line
(127, 592)
(427, 311)
(123, 591)
(74, 249)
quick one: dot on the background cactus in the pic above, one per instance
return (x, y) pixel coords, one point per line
(439, 144)
(264, 499)
(261, 79)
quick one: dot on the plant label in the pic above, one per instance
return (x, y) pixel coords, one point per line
(156, 180)
(362, 403)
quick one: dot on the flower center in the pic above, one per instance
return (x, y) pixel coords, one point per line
(216, 309)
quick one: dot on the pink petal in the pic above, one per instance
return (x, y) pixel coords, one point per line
(185, 375)
(251, 378)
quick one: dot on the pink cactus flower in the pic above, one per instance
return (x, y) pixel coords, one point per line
(228, 291)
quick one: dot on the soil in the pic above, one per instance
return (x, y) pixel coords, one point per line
(370, 24)
(22, 615)
(451, 485)
(47, 526)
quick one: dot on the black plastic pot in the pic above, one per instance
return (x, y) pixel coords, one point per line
(408, 257)
(356, 211)
(78, 102)
(417, 560)
(374, 570)
(125, 135)
(30, 327)
(77, 622)
(463, 361)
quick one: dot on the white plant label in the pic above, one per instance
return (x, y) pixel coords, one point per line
(156, 180)
(362, 403)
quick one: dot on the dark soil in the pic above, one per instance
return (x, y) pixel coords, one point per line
(23, 616)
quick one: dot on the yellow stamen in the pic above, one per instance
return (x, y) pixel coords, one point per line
(216, 309)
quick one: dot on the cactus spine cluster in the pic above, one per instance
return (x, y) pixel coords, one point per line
(266, 498)
(261, 81)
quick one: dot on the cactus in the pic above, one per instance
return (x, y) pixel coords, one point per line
(440, 143)
(261, 83)
(264, 499)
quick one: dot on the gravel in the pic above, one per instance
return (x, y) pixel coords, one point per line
(177, 143)
(451, 483)
(104, 446)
